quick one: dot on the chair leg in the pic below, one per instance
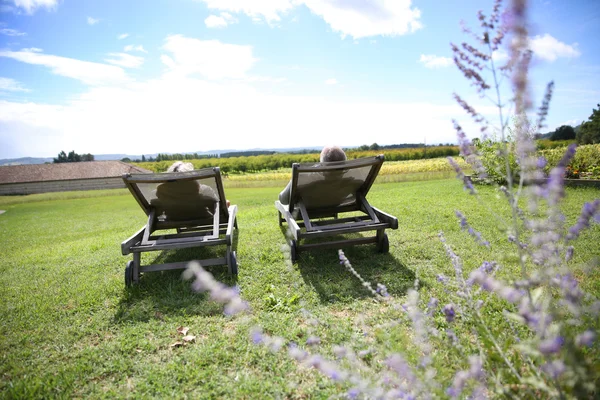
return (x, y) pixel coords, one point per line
(137, 262)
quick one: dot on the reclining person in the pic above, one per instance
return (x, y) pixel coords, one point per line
(184, 200)
(328, 154)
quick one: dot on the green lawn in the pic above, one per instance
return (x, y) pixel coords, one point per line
(69, 327)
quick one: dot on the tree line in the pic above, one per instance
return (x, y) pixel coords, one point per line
(72, 157)
(586, 133)
(275, 161)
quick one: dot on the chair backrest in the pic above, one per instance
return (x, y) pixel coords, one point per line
(333, 184)
(179, 197)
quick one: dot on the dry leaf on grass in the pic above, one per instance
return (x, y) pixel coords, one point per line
(189, 338)
(183, 330)
(176, 344)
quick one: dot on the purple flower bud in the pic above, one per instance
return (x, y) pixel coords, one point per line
(257, 336)
(585, 339)
(353, 393)
(541, 162)
(313, 340)
(449, 312)
(554, 368)
(551, 345)
(433, 303)
(569, 254)
(364, 353)
(340, 351)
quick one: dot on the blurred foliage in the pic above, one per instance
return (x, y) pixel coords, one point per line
(272, 162)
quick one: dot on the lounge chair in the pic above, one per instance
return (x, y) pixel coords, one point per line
(192, 204)
(320, 192)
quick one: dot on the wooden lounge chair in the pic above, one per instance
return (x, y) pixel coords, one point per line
(191, 203)
(321, 192)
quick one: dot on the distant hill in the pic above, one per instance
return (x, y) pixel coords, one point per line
(25, 160)
(113, 157)
(224, 152)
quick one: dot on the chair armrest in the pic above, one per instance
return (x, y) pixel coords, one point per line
(292, 224)
(135, 238)
(232, 211)
(385, 217)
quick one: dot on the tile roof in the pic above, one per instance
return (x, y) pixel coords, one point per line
(64, 171)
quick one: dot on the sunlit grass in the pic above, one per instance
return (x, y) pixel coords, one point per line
(70, 328)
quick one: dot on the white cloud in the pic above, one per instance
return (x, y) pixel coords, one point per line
(131, 47)
(364, 19)
(207, 114)
(123, 36)
(11, 85)
(353, 18)
(258, 10)
(500, 55)
(84, 71)
(331, 81)
(11, 32)
(571, 122)
(548, 48)
(92, 21)
(433, 61)
(213, 21)
(125, 60)
(210, 58)
(31, 5)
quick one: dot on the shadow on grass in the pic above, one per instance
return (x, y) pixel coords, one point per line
(321, 269)
(165, 293)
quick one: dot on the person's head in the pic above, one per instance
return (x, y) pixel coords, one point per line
(180, 166)
(332, 153)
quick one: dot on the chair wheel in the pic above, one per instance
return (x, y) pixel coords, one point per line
(233, 263)
(384, 244)
(129, 274)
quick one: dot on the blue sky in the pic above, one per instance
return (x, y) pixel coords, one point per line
(141, 77)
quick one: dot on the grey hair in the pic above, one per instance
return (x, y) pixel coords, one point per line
(332, 153)
(180, 166)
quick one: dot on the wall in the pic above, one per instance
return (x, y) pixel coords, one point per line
(61, 186)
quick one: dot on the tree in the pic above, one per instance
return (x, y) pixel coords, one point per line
(72, 157)
(590, 130)
(565, 132)
(126, 159)
(62, 158)
(143, 158)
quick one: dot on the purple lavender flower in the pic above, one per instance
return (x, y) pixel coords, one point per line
(541, 162)
(353, 393)
(313, 340)
(587, 212)
(551, 345)
(340, 351)
(257, 336)
(205, 282)
(432, 304)
(449, 312)
(585, 339)
(296, 353)
(555, 368)
(464, 225)
(569, 253)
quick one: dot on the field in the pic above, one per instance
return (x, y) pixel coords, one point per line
(71, 329)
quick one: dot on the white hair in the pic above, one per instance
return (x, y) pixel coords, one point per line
(332, 153)
(180, 166)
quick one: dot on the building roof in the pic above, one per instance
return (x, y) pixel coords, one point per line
(66, 171)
